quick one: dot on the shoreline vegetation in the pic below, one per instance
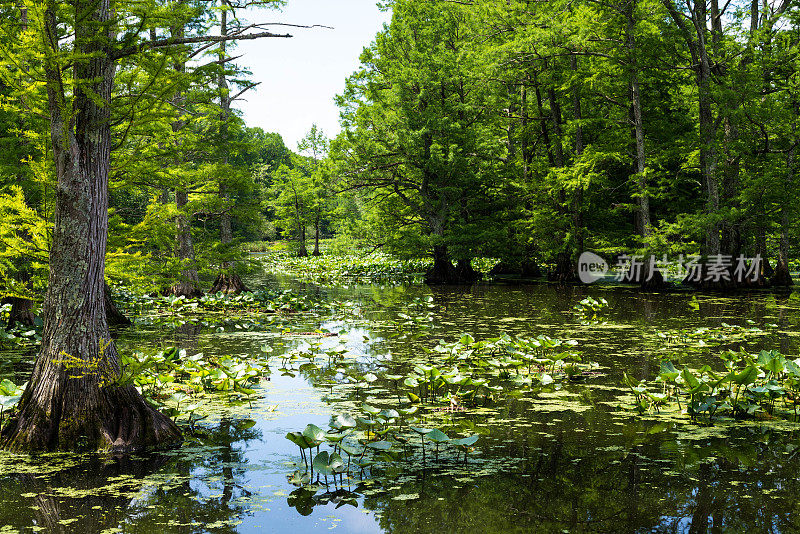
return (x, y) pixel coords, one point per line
(544, 267)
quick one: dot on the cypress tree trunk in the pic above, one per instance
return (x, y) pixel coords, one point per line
(21, 311)
(113, 315)
(577, 200)
(72, 401)
(442, 271)
(782, 276)
(316, 234)
(227, 280)
(189, 283)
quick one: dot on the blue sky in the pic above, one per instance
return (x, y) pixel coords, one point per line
(300, 76)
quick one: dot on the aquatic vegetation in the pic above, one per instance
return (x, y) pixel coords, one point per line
(19, 335)
(349, 268)
(379, 433)
(459, 377)
(468, 368)
(701, 338)
(10, 394)
(589, 308)
(175, 381)
(254, 310)
(744, 386)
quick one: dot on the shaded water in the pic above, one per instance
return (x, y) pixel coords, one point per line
(574, 459)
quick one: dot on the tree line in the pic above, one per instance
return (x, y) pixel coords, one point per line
(532, 131)
(525, 131)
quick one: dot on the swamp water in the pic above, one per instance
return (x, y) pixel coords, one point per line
(573, 457)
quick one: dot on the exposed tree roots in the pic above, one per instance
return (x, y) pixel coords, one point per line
(781, 277)
(66, 416)
(228, 283)
(185, 289)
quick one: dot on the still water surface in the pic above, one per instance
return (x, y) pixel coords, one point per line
(576, 459)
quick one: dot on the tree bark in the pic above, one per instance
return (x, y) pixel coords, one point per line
(113, 315)
(782, 276)
(189, 283)
(638, 126)
(72, 400)
(577, 201)
(442, 271)
(316, 234)
(228, 280)
(21, 312)
(696, 41)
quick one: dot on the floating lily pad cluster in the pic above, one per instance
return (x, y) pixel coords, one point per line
(589, 308)
(698, 339)
(376, 436)
(466, 370)
(243, 311)
(349, 268)
(174, 380)
(740, 384)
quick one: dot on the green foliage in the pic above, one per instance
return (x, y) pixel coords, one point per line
(338, 269)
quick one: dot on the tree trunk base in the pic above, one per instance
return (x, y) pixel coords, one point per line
(730, 283)
(228, 283)
(113, 315)
(530, 269)
(21, 311)
(524, 268)
(782, 277)
(565, 272)
(442, 273)
(647, 276)
(185, 289)
(655, 282)
(465, 273)
(117, 419)
(766, 268)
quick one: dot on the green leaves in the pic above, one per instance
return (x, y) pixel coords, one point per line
(380, 445)
(298, 439)
(344, 421)
(437, 436)
(313, 435)
(465, 442)
(747, 376)
(328, 464)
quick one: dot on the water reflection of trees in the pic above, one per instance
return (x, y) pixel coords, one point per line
(139, 494)
(564, 487)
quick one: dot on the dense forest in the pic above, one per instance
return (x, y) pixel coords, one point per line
(527, 132)
(522, 131)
